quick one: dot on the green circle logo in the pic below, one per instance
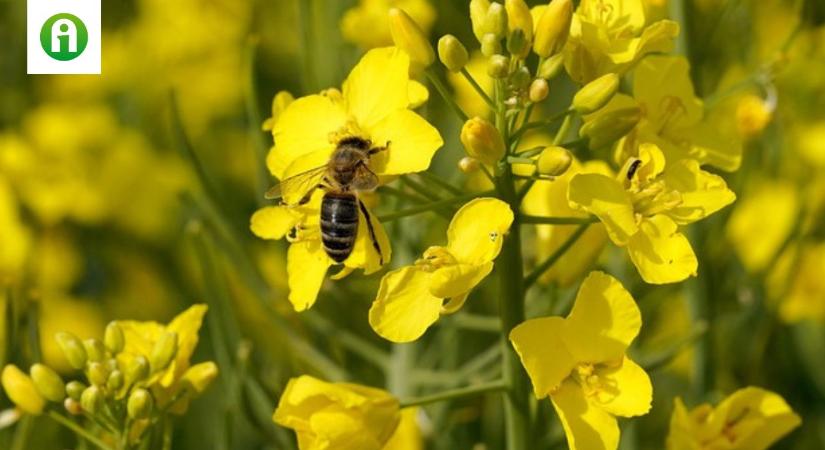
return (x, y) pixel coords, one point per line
(64, 37)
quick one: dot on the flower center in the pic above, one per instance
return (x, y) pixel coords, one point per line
(595, 385)
(435, 258)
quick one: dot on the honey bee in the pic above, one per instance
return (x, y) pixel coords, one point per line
(346, 174)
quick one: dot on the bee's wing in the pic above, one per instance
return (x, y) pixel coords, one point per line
(297, 186)
(364, 179)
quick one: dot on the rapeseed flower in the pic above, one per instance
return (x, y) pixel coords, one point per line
(375, 105)
(749, 419)
(805, 298)
(367, 25)
(21, 390)
(644, 206)
(340, 416)
(412, 298)
(587, 375)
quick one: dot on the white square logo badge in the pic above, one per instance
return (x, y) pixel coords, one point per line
(63, 36)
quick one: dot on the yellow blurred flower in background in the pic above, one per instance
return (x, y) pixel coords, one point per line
(749, 419)
(805, 298)
(367, 24)
(14, 235)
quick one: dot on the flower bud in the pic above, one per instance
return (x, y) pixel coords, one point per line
(72, 406)
(200, 376)
(521, 78)
(452, 53)
(752, 115)
(72, 349)
(91, 400)
(517, 44)
(596, 93)
(279, 103)
(539, 89)
(495, 21)
(610, 126)
(551, 66)
(113, 338)
(498, 66)
(97, 373)
(478, 14)
(74, 389)
(95, 351)
(554, 161)
(519, 18)
(115, 381)
(490, 45)
(21, 390)
(482, 140)
(553, 27)
(408, 36)
(48, 382)
(139, 405)
(137, 370)
(165, 349)
(468, 164)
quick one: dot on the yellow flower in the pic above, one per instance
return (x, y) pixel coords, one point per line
(21, 390)
(611, 36)
(374, 105)
(752, 115)
(586, 373)
(643, 208)
(465, 95)
(279, 103)
(340, 416)
(749, 419)
(806, 296)
(408, 434)
(367, 24)
(673, 117)
(411, 298)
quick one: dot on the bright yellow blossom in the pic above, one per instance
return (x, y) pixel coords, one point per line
(644, 206)
(367, 24)
(580, 362)
(21, 390)
(374, 105)
(412, 298)
(611, 36)
(407, 435)
(339, 416)
(806, 296)
(749, 419)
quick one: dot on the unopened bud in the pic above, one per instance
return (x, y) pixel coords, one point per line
(478, 14)
(596, 93)
(74, 389)
(140, 404)
(97, 373)
(408, 36)
(551, 66)
(496, 20)
(517, 44)
(752, 115)
(137, 369)
(113, 338)
(452, 53)
(115, 381)
(611, 126)
(48, 382)
(521, 78)
(482, 140)
(165, 349)
(73, 406)
(519, 18)
(468, 164)
(498, 66)
(554, 161)
(490, 45)
(95, 351)
(200, 376)
(21, 390)
(553, 27)
(72, 349)
(539, 89)
(91, 400)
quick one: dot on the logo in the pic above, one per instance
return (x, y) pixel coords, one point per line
(64, 37)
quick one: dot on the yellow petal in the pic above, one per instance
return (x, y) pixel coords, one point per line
(630, 393)
(763, 418)
(306, 266)
(663, 85)
(531, 340)
(411, 142)
(603, 322)
(453, 304)
(702, 193)
(408, 434)
(607, 199)
(586, 426)
(364, 255)
(477, 230)
(377, 86)
(418, 94)
(274, 222)
(457, 279)
(186, 325)
(660, 252)
(404, 308)
(304, 127)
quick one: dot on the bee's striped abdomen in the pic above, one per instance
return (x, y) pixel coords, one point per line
(339, 225)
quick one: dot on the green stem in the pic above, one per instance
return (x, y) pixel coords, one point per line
(253, 115)
(478, 88)
(544, 123)
(441, 183)
(77, 429)
(442, 90)
(431, 206)
(663, 358)
(477, 322)
(453, 394)
(420, 188)
(548, 263)
(400, 193)
(525, 219)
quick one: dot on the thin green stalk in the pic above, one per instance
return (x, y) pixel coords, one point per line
(544, 123)
(420, 188)
(478, 88)
(431, 206)
(441, 183)
(664, 357)
(526, 219)
(349, 340)
(548, 263)
(563, 129)
(77, 429)
(22, 433)
(477, 322)
(253, 115)
(400, 193)
(487, 173)
(453, 394)
(442, 90)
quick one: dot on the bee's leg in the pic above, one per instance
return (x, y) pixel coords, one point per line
(375, 150)
(372, 232)
(306, 198)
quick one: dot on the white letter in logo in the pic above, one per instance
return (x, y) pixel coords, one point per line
(64, 28)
